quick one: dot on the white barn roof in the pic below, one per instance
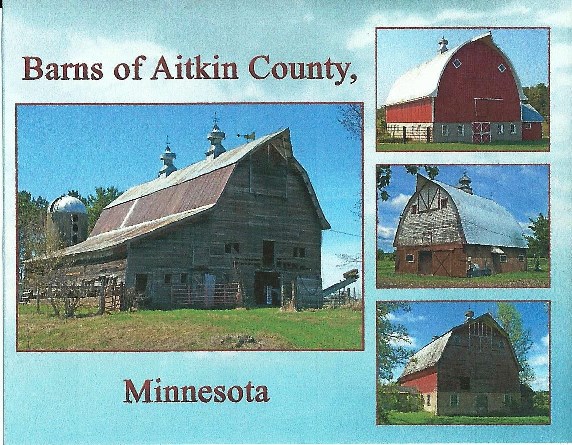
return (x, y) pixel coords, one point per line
(423, 80)
(483, 221)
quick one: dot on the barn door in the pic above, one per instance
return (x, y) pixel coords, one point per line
(425, 262)
(481, 404)
(442, 262)
(481, 132)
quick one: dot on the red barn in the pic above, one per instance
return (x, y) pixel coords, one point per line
(470, 93)
(471, 369)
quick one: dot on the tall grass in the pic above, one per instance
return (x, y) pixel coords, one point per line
(190, 330)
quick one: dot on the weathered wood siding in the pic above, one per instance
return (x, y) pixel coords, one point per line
(442, 259)
(516, 260)
(264, 200)
(477, 363)
(428, 220)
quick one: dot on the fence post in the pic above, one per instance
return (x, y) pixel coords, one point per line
(38, 301)
(404, 137)
(101, 308)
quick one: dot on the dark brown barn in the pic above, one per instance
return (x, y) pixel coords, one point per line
(450, 231)
(248, 215)
(471, 369)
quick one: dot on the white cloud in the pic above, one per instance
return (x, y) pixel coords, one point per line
(385, 233)
(539, 360)
(408, 342)
(364, 36)
(399, 201)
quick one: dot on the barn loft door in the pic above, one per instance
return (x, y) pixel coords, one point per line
(425, 262)
(268, 253)
(481, 132)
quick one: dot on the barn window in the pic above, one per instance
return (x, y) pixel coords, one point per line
(428, 399)
(460, 130)
(74, 218)
(528, 125)
(454, 400)
(456, 339)
(168, 278)
(457, 63)
(232, 248)
(299, 252)
(521, 258)
(445, 130)
(507, 399)
(409, 258)
(184, 278)
(414, 209)
(74, 239)
(512, 128)
(501, 344)
(443, 203)
(503, 259)
(500, 129)
(465, 383)
(502, 68)
(140, 282)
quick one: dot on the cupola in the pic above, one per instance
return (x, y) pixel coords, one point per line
(167, 157)
(215, 137)
(465, 184)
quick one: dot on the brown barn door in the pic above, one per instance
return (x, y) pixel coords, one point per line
(442, 262)
(425, 262)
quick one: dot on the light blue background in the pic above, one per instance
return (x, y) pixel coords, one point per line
(315, 397)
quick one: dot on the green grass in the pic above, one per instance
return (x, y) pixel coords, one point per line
(387, 278)
(425, 418)
(541, 145)
(189, 330)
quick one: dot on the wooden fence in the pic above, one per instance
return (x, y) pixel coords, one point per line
(199, 296)
(402, 134)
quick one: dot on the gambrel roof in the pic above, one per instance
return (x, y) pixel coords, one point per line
(184, 194)
(483, 221)
(423, 80)
(429, 356)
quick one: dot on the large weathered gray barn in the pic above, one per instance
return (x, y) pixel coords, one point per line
(248, 215)
(471, 369)
(450, 231)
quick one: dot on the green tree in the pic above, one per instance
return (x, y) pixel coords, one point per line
(351, 118)
(511, 321)
(539, 98)
(97, 202)
(390, 339)
(539, 241)
(30, 225)
(383, 176)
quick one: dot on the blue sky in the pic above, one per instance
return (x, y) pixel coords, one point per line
(77, 147)
(399, 50)
(427, 319)
(521, 189)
